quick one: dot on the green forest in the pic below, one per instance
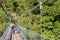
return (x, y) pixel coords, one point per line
(46, 21)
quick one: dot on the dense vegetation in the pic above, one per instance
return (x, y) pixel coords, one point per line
(46, 21)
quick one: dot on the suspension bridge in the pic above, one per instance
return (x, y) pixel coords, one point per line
(21, 32)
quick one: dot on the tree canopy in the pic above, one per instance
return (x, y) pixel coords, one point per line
(46, 21)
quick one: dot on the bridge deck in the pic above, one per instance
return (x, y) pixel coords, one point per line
(16, 36)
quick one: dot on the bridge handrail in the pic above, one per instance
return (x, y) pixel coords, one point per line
(30, 35)
(26, 33)
(7, 34)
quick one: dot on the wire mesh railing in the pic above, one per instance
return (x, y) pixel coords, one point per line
(30, 35)
(7, 34)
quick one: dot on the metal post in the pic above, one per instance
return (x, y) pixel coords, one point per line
(41, 5)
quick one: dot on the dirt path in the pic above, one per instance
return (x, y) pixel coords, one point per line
(16, 36)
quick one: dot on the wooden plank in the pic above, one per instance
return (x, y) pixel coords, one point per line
(16, 36)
